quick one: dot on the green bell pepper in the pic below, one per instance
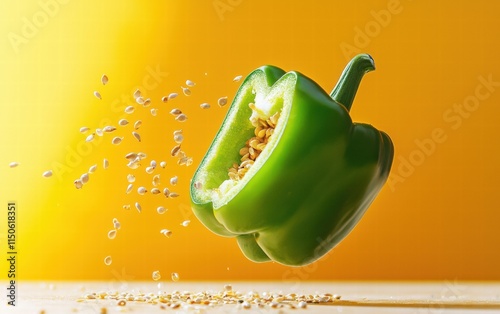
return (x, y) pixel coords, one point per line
(312, 182)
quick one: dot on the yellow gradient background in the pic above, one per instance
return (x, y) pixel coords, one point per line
(435, 91)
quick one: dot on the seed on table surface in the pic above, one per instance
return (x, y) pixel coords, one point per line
(84, 178)
(78, 184)
(104, 79)
(99, 132)
(137, 136)
(84, 129)
(163, 164)
(116, 140)
(123, 122)
(90, 138)
(237, 78)
(175, 112)
(172, 96)
(130, 178)
(121, 302)
(156, 275)
(175, 277)
(108, 129)
(141, 190)
(190, 83)
(185, 223)
(178, 138)
(13, 164)
(105, 163)
(302, 304)
(129, 188)
(174, 180)
(181, 118)
(186, 91)
(97, 95)
(129, 109)
(107, 261)
(146, 103)
(138, 207)
(47, 174)
(205, 105)
(154, 112)
(112, 234)
(246, 305)
(222, 101)
(92, 168)
(166, 232)
(161, 210)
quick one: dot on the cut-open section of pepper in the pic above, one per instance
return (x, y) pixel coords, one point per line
(288, 173)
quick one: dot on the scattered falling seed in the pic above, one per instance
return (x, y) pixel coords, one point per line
(126, 207)
(78, 184)
(107, 261)
(97, 95)
(166, 232)
(130, 178)
(138, 207)
(181, 118)
(99, 132)
(137, 136)
(178, 138)
(174, 180)
(204, 105)
(156, 275)
(108, 129)
(173, 194)
(186, 91)
(47, 174)
(90, 138)
(84, 129)
(131, 156)
(116, 224)
(172, 96)
(164, 99)
(153, 163)
(129, 109)
(146, 103)
(85, 178)
(104, 79)
(137, 124)
(161, 210)
(133, 165)
(155, 191)
(141, 155)
(137, 93)
(154, 112)
(156, 180)
(237, 78)
(175, 112)
(185, 223)
(123, 122)
(141, 190)
(166, 192)
(129, 188)
(116, 140)
(163, 164)
(150, 170)
(112, 234)
(175, 277)
(190, 83)
(92, 168)
(175, 150)
(13, 164)
(222, 101)
(105, 163)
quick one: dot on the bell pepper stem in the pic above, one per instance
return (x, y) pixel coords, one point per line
(347, 86)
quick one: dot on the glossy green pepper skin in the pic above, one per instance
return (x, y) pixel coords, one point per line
(318, 177)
